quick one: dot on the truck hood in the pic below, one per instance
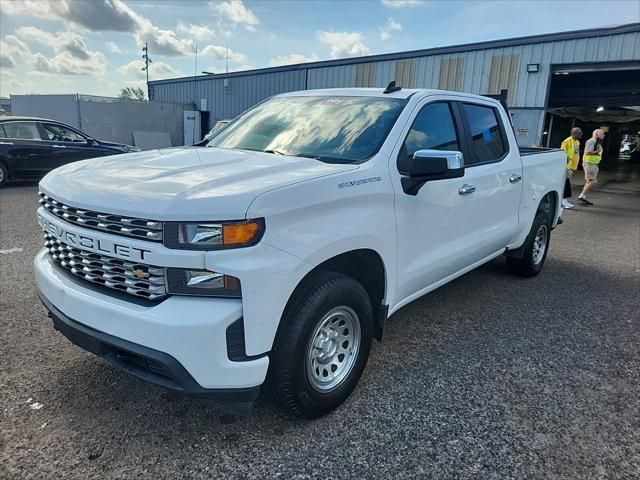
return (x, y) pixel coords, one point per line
(180, 183)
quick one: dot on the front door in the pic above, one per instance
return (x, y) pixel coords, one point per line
(433, 226)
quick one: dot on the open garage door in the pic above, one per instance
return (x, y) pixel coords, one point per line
(593, 96)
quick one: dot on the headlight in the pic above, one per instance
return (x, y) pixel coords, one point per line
(202, 282)
(213, 236)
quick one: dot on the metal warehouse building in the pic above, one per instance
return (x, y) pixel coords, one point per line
(589, 78)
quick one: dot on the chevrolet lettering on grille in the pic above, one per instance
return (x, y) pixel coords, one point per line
(87, 242)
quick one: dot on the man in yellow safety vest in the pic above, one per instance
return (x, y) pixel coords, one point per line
(571, 147)
(590, 161)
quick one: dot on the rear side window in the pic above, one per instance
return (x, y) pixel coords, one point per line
(487, 139)
(22, 130)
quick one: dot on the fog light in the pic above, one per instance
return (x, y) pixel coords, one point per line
(202, 282)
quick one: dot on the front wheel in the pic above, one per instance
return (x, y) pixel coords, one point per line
(322, 345)
(535, 248)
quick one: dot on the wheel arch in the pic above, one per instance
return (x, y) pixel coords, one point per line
(367, 267)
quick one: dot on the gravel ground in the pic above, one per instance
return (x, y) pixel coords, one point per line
(491, 376)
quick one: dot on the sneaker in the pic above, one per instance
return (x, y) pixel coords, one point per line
(567, 205)
(585, 202)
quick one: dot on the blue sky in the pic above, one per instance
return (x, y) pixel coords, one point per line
(93, 46)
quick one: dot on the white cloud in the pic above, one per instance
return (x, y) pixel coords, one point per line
(7, 61)
(236, 12)
(220, 53)
(15, 50)
(199, 32)
(162, 42)
(72, 56)
(97, 15)
(293, 59)
(113, 47)
(344, 44)
(401, 3)
(157, 70)
(105, 15)
(60, 42)
(66, 64)
(389, 28)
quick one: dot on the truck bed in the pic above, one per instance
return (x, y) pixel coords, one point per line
(524, 151)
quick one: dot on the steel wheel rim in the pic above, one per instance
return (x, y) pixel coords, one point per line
(539, 245)
(333, 348)
(1, 175)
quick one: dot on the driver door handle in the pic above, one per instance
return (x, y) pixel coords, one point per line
(515, 178)
(466, 189)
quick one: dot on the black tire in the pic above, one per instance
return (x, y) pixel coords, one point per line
(4, 175)
(532, 262)
(291, 382)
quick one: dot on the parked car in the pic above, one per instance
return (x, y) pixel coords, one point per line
(220, 124)
(286, 243)
(32, 147)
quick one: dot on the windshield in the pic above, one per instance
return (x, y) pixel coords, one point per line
(330, 129)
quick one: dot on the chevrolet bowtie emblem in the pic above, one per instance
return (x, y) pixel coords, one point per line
(139, 273)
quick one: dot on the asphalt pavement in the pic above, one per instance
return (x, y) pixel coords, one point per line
(491, 376)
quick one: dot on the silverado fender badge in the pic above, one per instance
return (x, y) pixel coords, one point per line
(361, 181)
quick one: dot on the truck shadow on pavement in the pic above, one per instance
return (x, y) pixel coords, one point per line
(467, 342)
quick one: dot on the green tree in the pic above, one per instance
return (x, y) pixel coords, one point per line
(132, 93)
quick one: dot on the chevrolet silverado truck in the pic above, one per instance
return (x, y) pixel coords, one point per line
(277, 253)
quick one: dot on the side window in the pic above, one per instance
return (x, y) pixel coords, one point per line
(58, 133)
(22, 130)
(487, 139)
(2, 134)
(432, 129)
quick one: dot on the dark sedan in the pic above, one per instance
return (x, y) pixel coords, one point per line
(32, 147)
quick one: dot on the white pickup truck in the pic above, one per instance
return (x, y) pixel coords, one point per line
(278, 253)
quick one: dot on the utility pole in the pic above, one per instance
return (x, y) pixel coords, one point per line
(147, 62)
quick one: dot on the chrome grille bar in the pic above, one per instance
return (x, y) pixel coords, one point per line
(127, 226)
(137, 279)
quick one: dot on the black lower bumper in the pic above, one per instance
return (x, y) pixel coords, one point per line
(151, 365)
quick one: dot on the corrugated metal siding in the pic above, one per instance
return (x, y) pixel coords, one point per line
(365, 74)
(468, 71)
(503, 74)
(332, 77)
(227, 98)
(451, 74)
(406, 72)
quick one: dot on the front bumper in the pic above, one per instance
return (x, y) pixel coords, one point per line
(150, 365)
(184, 337)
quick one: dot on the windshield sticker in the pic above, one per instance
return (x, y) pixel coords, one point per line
(335, 100)
(361, 181)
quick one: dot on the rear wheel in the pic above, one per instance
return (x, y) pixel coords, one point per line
(535, 248)
(322, 345)
(4, 175)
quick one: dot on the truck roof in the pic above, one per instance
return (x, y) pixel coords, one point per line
(379, 92)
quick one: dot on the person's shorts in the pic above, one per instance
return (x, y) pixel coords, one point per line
(590, 171)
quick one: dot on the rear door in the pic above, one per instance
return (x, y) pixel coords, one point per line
(496, 168)
(28, 151)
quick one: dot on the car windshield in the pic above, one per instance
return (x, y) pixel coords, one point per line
(331, 129)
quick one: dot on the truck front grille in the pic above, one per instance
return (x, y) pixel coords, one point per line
(128, 226)
(133, 278)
